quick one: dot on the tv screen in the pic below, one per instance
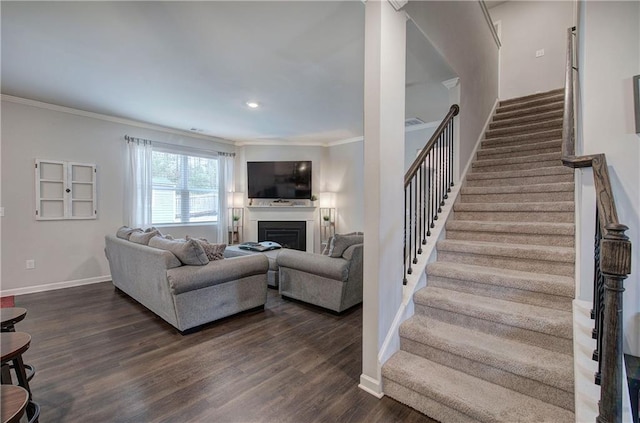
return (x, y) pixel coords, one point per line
(287, 180)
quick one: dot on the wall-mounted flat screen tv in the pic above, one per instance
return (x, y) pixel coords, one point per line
(286, 180)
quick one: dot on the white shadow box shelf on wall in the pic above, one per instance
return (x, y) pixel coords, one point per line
(65, 190)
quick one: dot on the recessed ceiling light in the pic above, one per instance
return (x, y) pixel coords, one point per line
(253, 104)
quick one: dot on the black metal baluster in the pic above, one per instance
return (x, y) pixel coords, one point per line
(598, 298)
(404, 241)
(416, 240)
(445, 164)
(426, 159)
(451, 155)
(410, 270)
(425, 233)
(441, 172)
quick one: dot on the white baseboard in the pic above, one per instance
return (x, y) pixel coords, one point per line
(371, 386)
(54, 286)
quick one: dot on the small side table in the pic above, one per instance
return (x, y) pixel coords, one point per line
(14, 402)
(10, 316)
(632, 365)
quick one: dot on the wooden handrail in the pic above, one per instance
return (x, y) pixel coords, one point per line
(612, 256)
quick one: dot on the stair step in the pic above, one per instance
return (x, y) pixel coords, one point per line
(448, 395)
(524, 129)
(526, 106)
(524, 99)
(562, 211)
(509, 140)
(526, 258)
(541, 326)
(535, 148)
(520, 177)
(517, 163)
(522, 120)
(561, 191)
(523, 368)
(539, 289)
(531, 111)
(556, 234)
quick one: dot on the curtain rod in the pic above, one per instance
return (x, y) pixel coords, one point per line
(146, 141)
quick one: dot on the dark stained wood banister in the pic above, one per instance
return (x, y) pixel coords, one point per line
(613, 256)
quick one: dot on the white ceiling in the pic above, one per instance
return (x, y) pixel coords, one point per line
(190, 65)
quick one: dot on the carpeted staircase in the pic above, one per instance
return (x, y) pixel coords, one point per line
(491, 338)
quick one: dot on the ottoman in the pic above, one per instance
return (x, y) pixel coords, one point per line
(272, 273)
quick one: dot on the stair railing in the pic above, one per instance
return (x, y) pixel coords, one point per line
(612, 261)
(427, 185)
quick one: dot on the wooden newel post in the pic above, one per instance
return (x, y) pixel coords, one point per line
(615, 264)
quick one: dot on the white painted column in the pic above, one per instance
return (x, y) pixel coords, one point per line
(384, 107)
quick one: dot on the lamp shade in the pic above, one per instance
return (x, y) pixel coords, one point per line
(327, 199)
(238, 199)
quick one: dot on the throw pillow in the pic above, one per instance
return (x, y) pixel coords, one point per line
(188, 252)
(142, 237)
(125, 232)
(339, 243)
(213, 251)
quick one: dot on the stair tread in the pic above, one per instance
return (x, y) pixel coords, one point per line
(540, 117)
(561, 206)
(523, 99)
(546, 228)
(544, 134)
(477, 398)
(524, 251)
(482, 162)
(541, 171)
(534, 146)
(529, 127)
(529, 361)
(531, 188)
(545, 320)
(530, 104)
(518, 279)
(527, 112)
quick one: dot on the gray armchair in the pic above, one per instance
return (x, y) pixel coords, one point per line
(334, 283)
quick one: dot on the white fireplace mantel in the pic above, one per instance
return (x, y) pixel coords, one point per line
(307, 214)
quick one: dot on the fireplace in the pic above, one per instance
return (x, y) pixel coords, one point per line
(289, 234)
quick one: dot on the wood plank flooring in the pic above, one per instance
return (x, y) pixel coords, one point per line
(102, 357)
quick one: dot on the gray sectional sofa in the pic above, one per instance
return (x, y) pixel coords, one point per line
(332, 280)
(186, 296)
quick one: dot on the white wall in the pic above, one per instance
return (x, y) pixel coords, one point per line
(528, 26)
(67, 251)
(459, 31)
(345, 177)
(609, 34)
(414, 141)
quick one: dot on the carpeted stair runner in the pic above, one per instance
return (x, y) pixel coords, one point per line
(491, 337)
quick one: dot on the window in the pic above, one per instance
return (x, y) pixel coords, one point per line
(184, 188)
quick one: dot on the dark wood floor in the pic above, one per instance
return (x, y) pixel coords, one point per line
(101, 357)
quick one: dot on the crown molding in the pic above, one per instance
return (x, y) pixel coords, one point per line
(113, 119)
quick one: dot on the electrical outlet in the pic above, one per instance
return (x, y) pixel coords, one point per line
(540, 53)
(31, 264)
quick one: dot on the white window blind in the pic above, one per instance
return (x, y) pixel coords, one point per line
(185, 187)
